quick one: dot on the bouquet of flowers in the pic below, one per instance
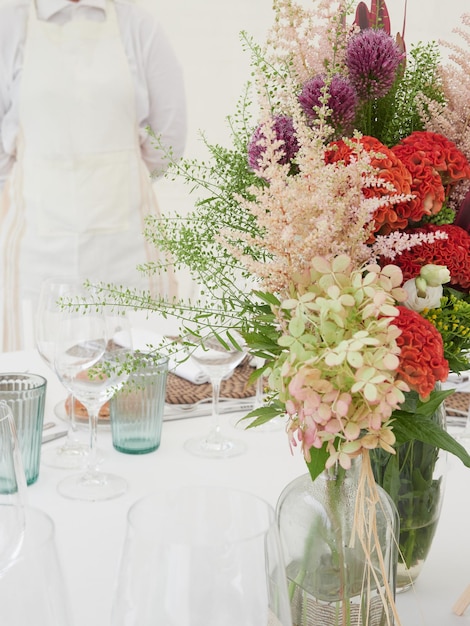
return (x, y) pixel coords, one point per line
(333, 234)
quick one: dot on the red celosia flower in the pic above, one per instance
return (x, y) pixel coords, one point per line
(391, 170)
(453, 252)
(422, 361)
(436, 164)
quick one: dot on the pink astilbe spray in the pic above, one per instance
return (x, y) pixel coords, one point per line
(452, 119)
(321, 211)
(312, 40)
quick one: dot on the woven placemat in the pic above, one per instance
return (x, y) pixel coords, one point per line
(181, 391)
(459, 401)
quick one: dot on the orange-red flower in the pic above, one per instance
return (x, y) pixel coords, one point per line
(390, 170)
(422, 361)
(435, 164)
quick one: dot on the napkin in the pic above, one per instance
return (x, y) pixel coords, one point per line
(145, 341)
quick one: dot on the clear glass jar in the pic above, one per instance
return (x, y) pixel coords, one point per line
(415, 480)
(330, 583)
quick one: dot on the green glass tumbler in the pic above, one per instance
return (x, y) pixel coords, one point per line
(25, 394)
(136, 410)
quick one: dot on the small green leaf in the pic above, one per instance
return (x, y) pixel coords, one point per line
(316, 465)
(262, 414)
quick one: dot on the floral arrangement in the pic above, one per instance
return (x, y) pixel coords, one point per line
(333, 234)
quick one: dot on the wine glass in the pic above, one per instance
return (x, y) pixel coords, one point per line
(90, 355)
(12, 491)
(71, 454)
(201, 556)
(217, 360)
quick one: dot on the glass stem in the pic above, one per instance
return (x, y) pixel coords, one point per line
(72, 423)
(92, 464)
(215, 404)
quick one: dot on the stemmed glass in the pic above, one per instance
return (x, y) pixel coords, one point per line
(217, 360)
(71, 454)
(91, 350)
(12, 491)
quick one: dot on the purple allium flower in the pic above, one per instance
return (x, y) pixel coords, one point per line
(341, 100)
(283, 127)
(372, 58)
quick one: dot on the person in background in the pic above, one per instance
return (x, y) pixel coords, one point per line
(80, 83)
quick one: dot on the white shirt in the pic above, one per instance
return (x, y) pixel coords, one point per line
(157, 75)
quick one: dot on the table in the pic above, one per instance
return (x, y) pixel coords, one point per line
(90, 536)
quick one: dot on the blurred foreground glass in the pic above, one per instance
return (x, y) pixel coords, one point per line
(12, 491)
(25, 394)
(32, 591)
(136, 410)
(201, 556)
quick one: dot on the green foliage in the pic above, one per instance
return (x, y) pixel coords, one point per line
(452, 320)
(409, 476)
(416, 421)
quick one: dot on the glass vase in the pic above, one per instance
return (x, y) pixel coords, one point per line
(415, 480)
(334, 578)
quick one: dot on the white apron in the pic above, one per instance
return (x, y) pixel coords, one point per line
(76, 200)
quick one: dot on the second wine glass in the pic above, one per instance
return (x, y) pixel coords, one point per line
(72, 453)
(91, 364)
(217, 360)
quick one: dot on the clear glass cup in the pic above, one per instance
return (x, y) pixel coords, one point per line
(12, 491)
(136, 410)
(32, 591)
(25, 394)
(201, 556)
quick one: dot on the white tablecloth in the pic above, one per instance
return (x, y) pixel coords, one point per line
(90, 536)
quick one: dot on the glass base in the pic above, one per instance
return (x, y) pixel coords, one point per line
(70, 455)
(92, 486)
(215, 447)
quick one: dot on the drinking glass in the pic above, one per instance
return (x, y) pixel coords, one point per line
(12, 491)
(33, 591)
(91, 350)
(217, 360)
(201, 556)
(71, 454)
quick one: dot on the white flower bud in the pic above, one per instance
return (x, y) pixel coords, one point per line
(421, 286)
(431, 300)
(435, 275)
